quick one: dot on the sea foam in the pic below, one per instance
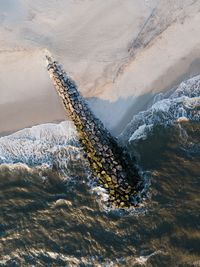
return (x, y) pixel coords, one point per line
(182, 105)
(52, 143)
(41, 144)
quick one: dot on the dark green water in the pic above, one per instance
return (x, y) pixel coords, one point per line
(52, 215)
(46, 221)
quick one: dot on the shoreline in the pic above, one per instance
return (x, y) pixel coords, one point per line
(37, 111)
(93, 60)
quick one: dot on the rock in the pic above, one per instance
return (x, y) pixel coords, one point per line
(62, 202)
(119, 167)
(105, 148)
(94, 165)
(122, 204)
(112, 192)
(111, 186)
(106, 158)
(108, 179)
(99, 164)
(114, 179)
(127, 191)
(114, 170)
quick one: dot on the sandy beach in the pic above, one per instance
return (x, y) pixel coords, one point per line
(27, 95)
(71, 194)
(120, 53)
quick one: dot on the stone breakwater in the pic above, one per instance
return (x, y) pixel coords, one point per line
(108, 161)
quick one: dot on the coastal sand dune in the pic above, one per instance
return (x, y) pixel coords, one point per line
(120, 53)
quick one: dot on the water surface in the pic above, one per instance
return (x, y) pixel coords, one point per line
(52, 215)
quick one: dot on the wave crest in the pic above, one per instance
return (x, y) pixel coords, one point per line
(182, 105)
(42, 144)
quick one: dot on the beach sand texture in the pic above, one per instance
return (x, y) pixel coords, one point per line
(120, 53)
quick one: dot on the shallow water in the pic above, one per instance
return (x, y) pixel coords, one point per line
(52, 215)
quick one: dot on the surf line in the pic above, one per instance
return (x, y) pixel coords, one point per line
(110, 162)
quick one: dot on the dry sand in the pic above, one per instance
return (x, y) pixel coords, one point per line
(121, 53)
(27, 95)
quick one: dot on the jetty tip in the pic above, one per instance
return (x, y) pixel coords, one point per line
(48, 56)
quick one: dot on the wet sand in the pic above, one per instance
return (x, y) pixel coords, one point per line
(96, 44)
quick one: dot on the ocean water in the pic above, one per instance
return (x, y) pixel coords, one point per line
(53, 214)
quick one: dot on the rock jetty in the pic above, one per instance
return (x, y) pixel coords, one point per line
(108, 160)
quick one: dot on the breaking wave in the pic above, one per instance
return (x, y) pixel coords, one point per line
(47, 145)
(182, 105)
(37, 145)
(49, 219)
(56, 145)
